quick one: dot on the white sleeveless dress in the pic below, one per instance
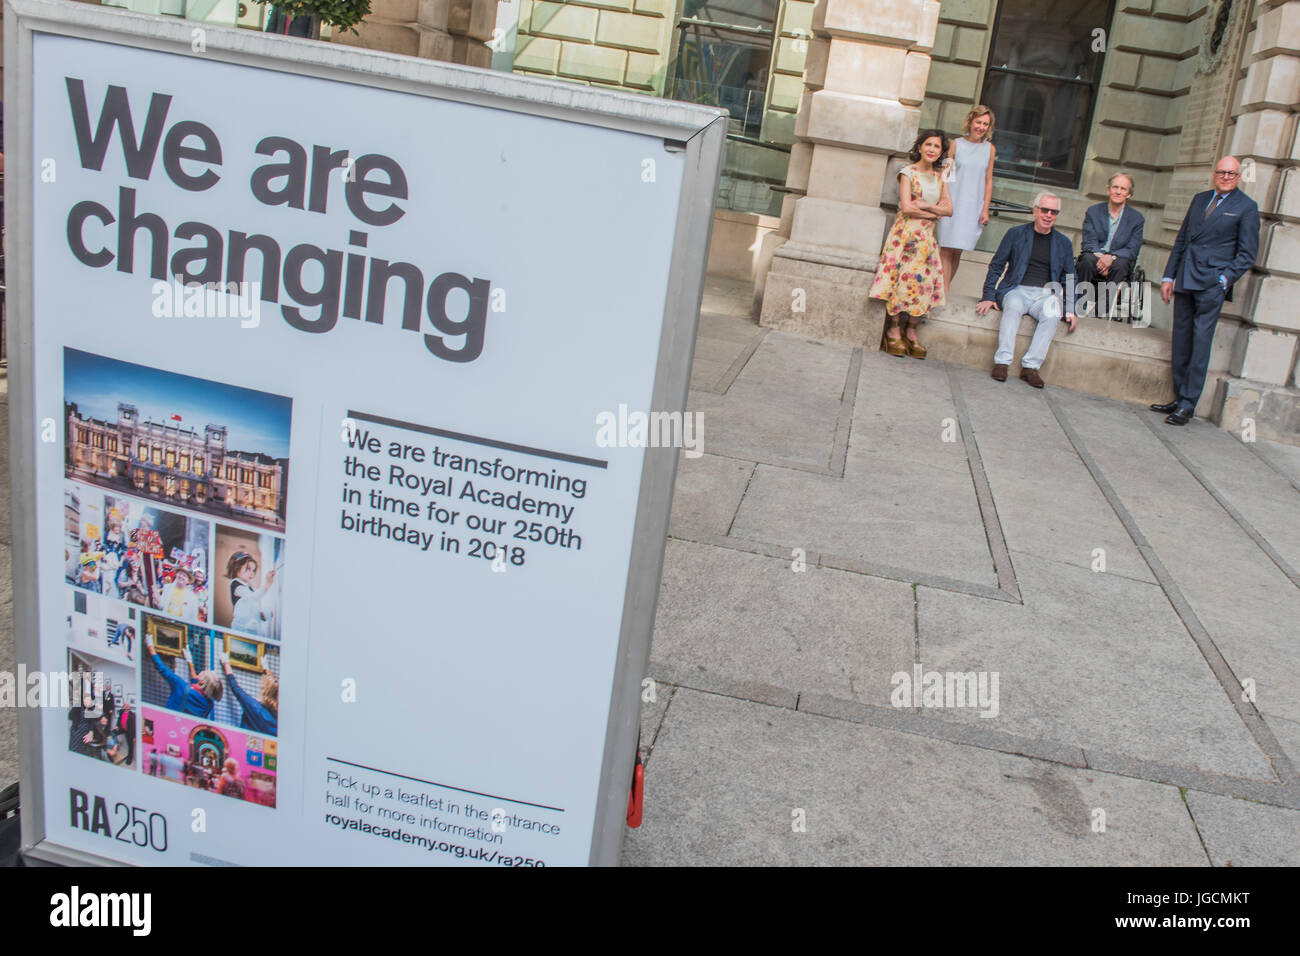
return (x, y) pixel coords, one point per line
(962, 229)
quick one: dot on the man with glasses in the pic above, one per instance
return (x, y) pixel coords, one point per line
(1039, 266)
(1216, 246)
(1112, 237)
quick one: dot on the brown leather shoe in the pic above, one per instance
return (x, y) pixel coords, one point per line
(999, 373)
(1031, 376)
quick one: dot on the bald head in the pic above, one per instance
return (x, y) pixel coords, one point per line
(1227, 174)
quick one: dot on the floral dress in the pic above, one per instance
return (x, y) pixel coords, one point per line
(909, 277)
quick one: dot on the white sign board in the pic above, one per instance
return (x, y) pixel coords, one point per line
(332, 513)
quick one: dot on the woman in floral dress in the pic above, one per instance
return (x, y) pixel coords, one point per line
(909, 277)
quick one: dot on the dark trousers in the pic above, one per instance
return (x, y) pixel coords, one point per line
(1085, 270)
(1195, 316)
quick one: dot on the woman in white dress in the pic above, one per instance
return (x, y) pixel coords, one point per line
(970, 183)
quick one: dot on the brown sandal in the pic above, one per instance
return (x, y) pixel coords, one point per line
(894, 346)
(914, 348)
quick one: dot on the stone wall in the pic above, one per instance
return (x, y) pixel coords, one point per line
(450, 30)
(1266, 358)
(616, 43)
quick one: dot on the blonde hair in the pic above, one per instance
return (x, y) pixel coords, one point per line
(975, 113)
(210, 683)
(270, 692)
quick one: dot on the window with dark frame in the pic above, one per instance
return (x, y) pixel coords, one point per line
(1042, 80)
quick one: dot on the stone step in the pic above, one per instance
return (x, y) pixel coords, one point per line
(1111, 359)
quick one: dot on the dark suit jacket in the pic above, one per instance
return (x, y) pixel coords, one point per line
(1225, 244)
(1128, 234)
(1013, 256)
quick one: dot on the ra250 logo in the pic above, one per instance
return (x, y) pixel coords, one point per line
(134, 825)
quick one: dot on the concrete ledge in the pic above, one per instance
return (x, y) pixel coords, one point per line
(1110, 359)
(1274, 409)
(736, 242)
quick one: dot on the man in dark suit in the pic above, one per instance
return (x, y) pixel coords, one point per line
(1039, 264)
(1112, 238)
(1216, 246)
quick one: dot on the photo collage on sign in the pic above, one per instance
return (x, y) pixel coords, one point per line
(174, 550)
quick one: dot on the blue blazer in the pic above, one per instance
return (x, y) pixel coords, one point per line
(1013, 256)
(1128, 234)
(1225, 244)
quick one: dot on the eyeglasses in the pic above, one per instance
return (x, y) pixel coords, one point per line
(1226, 174)
(1048, 212)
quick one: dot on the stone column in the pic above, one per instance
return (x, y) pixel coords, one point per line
(864, 83)
(1264, 361)
(450, 30)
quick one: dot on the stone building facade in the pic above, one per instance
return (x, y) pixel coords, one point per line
(826, 97)
(168, 463)
(1180, 82)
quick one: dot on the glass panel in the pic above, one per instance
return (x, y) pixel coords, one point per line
(741, 13)
(1041, 129)
(1057, 44)
(729, 69)
(721, 68)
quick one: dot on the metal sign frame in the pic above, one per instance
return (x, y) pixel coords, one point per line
(699, 131)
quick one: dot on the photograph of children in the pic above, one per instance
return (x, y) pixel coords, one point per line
(248, 598)
(102, 627)
(164, 559)
(85, 562)
(190, 442)
(102, 722)
(224, 761)
(178, 670)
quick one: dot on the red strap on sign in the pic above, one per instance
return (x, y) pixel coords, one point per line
(636, 797)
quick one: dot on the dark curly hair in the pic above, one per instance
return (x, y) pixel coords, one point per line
(914, 154)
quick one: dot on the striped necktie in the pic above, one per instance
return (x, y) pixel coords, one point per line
(1213, 204)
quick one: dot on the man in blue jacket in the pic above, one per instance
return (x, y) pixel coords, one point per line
(1216, 246)
(1039, 266)
(1112, 238)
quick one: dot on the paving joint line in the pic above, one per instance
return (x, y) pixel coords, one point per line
(753, 470)
(997, 542)
(1233, 513)
(1258, 454)
(837, 563)
(735, 455)
(844, 420)
(740, 361)
(1080, 567)
(1228, 682)
(659, 726)
(907, 721)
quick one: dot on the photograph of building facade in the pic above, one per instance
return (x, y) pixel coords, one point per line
(182, 466)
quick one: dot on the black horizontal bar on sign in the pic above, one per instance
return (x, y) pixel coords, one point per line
(478, 440)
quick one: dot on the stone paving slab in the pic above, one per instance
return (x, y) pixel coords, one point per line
(900, 512)
(903, 410)
(727, 616)
(1244, 833)
(1048, 503)
(727, 776)
(1248, 606)
(1262, 496)
(707, 494)
(1093, 660)
(1285, 459)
